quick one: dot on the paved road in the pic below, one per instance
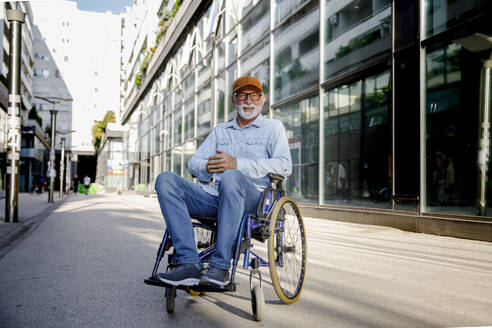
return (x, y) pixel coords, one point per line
(84, 267)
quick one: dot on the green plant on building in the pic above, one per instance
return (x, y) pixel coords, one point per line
(358, 43)
(99, 128)
(33, 115)
(164, 23)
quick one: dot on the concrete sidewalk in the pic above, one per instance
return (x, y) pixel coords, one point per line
(85, 264)
(32, 208)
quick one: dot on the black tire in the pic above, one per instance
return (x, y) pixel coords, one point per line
(287, 250)
(170, 299)
(258, 303)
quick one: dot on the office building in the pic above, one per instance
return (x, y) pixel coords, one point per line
(386, 103)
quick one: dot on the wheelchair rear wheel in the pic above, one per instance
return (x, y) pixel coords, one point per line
(287, 250)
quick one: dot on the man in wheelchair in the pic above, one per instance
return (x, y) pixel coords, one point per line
(232, 165)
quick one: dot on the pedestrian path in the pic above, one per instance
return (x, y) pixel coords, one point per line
(84, 267)
(30, 206)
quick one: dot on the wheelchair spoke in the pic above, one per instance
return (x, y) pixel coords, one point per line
(289, 248)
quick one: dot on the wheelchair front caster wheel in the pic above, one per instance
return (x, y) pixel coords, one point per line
(170, 299)
(195, 292)
(257, 303)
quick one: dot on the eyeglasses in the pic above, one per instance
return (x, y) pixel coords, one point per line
(242, 96)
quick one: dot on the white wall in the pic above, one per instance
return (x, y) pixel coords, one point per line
(85, 47)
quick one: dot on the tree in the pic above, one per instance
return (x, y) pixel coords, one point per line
(99, 128)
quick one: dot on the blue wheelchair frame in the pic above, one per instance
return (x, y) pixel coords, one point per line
(249, 223)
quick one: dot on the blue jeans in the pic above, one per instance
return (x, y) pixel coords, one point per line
(180, 198)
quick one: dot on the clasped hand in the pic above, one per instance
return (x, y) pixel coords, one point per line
(220, 162)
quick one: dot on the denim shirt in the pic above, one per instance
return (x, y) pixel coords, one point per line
(260, 148)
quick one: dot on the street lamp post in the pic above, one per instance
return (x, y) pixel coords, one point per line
(62, 166)
(52, 171)
(68, 180)
(62, 160)
(16, 19)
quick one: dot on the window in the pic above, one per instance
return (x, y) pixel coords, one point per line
(443, 14)
(189, 127)
(178, 126)
(454, 161)
(220, 97)
(301, 121)
(256, 25)
(284, 8)
(204, 115)
(256, 63)
(297, 55)
(357, 34)
(189, 149)
(357, 153)
(231, 76)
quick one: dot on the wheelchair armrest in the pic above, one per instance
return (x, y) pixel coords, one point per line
(276, 180)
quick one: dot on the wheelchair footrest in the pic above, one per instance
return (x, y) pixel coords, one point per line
(155, 282)
(231, 287)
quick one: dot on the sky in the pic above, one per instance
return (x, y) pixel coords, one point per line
(115, 6)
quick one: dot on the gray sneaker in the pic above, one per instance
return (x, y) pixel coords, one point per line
(215, 277)
(187, 274)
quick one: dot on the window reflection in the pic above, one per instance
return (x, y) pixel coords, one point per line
(453, 84)
(301, 121)
(442, 14)
(204, 117)
(189, 149)
(204, 70)
(232, 47)
(357, 32)
(284, 8)
(168, 133)
(255, 25)
(231, 77)
(177, 158)
(189, 85)
(189, 110)
(358, 143)
(220, 55)
(157, 140)
(232, 14)
(178, 126)
(297, 55)
(443, 66)
(220, 97)
(168, 161)
(256, 62)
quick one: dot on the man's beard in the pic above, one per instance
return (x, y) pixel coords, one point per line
(246, 114)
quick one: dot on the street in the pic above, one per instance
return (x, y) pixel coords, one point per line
(85, 264)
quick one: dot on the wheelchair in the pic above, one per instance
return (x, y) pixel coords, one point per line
(279, 222)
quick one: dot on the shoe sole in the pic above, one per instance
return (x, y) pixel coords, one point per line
(184, 282)
(209, 282)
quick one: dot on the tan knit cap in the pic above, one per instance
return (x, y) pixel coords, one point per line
(246, 81)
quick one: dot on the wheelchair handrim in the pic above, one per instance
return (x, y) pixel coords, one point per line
(287, 293)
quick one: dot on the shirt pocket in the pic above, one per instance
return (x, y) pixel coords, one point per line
(224, 144)
(256, 147)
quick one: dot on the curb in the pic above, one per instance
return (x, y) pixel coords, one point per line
(17, 234)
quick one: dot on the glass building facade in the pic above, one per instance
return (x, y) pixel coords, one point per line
(381, 100)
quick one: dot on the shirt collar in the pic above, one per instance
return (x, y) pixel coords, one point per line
(257, 123)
